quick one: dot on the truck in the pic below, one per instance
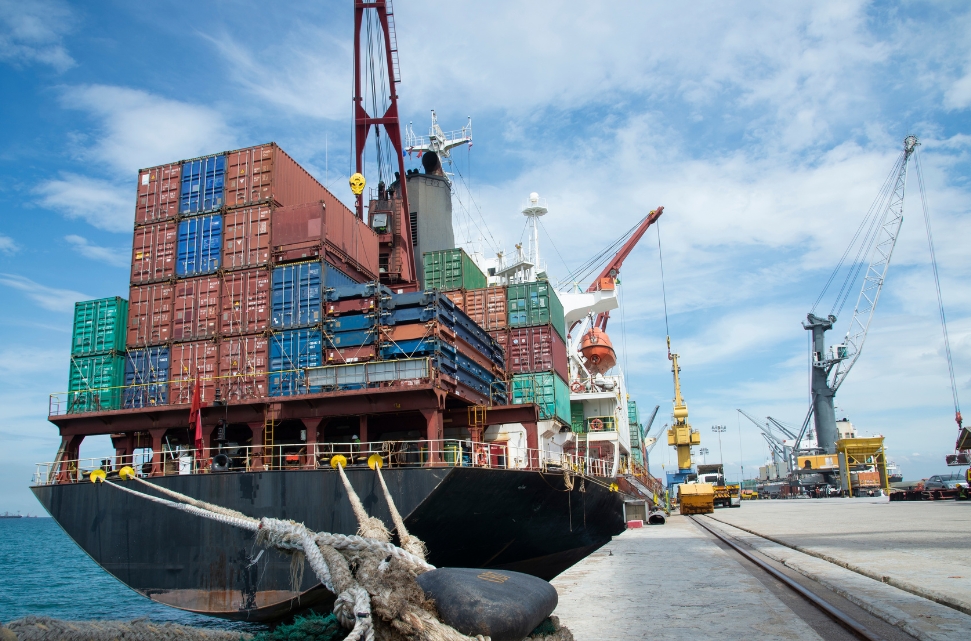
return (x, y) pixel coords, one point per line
(726, 495)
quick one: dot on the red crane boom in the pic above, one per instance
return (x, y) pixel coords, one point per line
(612, 269)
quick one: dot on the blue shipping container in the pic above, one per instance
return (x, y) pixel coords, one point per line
(200, 244)
(358, 290)
(296, 295)
(290, 353)
(351, 322)
(353, 338)
(146, 378)
(334, 277)
(203, 185)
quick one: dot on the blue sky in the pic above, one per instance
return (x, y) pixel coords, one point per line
(765, 129)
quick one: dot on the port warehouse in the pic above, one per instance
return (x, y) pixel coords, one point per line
(264, 299)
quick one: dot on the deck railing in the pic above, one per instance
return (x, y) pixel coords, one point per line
(302, 456)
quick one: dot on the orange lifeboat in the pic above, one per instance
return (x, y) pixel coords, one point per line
(597, 350)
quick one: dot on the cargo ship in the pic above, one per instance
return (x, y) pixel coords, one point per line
(292, 329)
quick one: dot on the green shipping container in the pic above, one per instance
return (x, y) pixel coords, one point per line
(547, 390)
(449, 269)
(576, 418)
(636, 455)
(99, 326)
(95, 383)
(634, 421)
(532, 304)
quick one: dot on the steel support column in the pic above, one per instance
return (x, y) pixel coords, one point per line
(434, 431)
(256, 460)
(157, 436)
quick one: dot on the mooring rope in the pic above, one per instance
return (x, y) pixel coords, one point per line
(411, 543)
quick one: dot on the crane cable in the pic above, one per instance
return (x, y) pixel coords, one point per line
(664, 295)
(937, 285)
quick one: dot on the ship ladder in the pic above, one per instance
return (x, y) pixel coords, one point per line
(270, 415)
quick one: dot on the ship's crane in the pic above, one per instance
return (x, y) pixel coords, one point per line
(782, 428)
(780, 451)
(829, 369)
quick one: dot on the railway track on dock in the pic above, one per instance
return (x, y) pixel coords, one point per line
(836, 601)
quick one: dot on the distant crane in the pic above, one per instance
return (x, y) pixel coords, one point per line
(778, 448)
(829, 369)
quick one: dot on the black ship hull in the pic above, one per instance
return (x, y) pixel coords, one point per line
(468, 517)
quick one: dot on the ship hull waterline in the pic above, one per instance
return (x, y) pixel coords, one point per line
(518, 520)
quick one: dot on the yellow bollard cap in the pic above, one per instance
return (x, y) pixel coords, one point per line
(127, 473)
(98, 476)
(338, 459)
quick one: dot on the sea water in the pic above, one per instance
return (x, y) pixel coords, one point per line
(44, 573)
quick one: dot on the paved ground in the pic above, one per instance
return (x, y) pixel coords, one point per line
(923, 547)
(673, 583)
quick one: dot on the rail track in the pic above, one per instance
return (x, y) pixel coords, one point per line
(872, 630)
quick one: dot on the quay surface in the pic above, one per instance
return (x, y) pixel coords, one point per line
(677, 582)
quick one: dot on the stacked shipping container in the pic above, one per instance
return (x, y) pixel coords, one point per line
(97, 355)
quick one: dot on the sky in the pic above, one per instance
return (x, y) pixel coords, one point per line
(765, 129)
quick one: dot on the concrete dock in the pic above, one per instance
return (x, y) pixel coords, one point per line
(907, 566)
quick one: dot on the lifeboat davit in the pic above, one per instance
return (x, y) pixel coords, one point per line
(598, 352)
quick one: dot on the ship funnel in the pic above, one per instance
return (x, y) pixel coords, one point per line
(431, 163)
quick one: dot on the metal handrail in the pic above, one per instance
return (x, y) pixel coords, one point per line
(260, 458)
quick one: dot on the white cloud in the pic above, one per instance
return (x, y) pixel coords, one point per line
(101, 203)
(116, 256)
(7, 245)
(56, 300)
(959, 95)
(33, 32)
(139, 129)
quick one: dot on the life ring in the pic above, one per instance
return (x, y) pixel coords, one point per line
(481, 458)
(577, 386)
(596, 425)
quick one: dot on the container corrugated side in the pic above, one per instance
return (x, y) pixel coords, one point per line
(245, 302)
(158, 193)
(349, 239)
(203, 185)
(244, 364)
(296, 300)
(536, 349)
(146, 378)
(187, 360)
(95, 383)
(266, 173)
(487, 307)
(200, 246)
(99, 326)
(196, 308)
(536, 303)
(449, 269)
(291, 352)
(334, 277)
(154, 250)
(545, 389)
(150, 314)
(246, 236)
(577, 423)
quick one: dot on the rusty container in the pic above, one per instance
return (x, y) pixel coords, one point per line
(196, 309)
(298, 232)
(246, 237)
(349, 239)
(349, 306)
(457, 296)
(487, 307)
(186, 361)
(266, 174)
(245, 306)
(243, 367)
(154, 248)
(356, 354)
(149, 315)
(536, 349)
(158, 193)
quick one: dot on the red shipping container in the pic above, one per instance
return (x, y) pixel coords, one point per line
(150, 315)
(487, 307)
(196, 308)
(185, 361)
(158, 193)
(536, 349)
(351, 306)
(246, 237)
(265, 173)
(349, 238)
(243, 367)
(457, 296)
(356, 354)
(245, 302)
(153, 252)
(298, 232)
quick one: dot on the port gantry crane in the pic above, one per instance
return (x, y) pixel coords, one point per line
(829, 369)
